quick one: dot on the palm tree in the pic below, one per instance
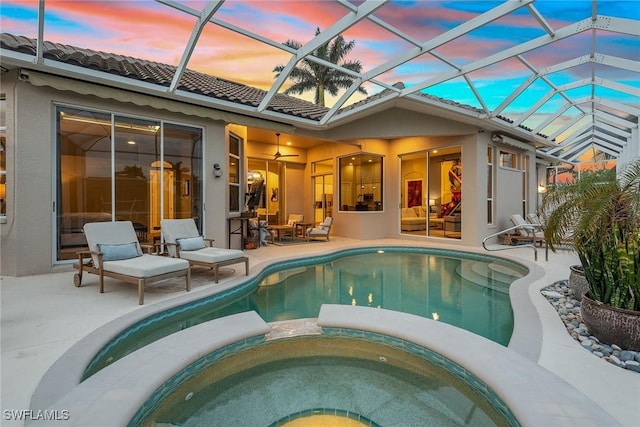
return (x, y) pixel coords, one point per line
(309, 75)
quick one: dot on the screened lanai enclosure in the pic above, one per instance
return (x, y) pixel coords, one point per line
(563, 75)
(553, 83)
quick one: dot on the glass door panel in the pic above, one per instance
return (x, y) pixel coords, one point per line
(137, 173)
(322, 197)
(445, 188)
(83, 176)
(413, 194)
(265, 179)
(182, 154)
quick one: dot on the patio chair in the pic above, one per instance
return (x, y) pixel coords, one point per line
(322, 230)
(294, 219)
(535, 219)
(526, 230)
(114, 251)
(183, 241)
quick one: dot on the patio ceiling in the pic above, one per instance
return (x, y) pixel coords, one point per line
(564, 76)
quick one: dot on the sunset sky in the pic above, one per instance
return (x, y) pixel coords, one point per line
(154, 31)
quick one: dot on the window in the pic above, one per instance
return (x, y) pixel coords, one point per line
(490, 185)
(115, 167)
(525, 185)
(236, 197)
(361, 183)
(508, 160)
(3, 161)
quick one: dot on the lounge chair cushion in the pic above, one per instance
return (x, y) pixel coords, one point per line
(174, 229)
(145, 266)
(294, 219)
(119, 251)
(322, 230)
(191, 243)
(109, 233)
(210, 255)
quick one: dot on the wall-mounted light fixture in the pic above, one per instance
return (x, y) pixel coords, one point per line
(541, 188)
(217, 170)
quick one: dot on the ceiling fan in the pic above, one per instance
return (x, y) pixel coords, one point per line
(278, 154)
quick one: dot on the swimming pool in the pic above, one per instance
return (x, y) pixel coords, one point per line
(512, 372)
(463, 289)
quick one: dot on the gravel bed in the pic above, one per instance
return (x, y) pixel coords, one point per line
(562, 298)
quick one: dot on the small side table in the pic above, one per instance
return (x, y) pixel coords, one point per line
(301, 229)
(242, 230)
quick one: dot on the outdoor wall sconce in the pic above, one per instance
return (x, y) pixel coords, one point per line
(541, 188)
(217, 170)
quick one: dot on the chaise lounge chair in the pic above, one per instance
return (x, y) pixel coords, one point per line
(184, 241)
(527, 231)
(321, 230)
(114, 252)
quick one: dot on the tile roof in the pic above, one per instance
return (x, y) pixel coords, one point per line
(162, 74)
(195, 82)
(400, 86)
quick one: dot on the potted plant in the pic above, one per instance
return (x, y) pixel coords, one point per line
(600, 210)
(578, 281)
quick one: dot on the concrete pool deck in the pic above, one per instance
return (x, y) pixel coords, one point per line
(44, 316)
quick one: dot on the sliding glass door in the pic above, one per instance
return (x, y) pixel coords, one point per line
(431, 193)
(265, 181)
(322, 184)
(112, 167)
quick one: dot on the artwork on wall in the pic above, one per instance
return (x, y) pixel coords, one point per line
(413, 192)
(451, 186)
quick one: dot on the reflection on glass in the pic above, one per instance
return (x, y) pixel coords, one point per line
(264, 183)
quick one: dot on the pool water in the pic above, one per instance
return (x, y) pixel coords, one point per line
(296, 379)
(470, 294)
(464, 290)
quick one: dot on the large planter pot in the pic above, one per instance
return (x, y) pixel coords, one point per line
(611, 325)
(578, 281)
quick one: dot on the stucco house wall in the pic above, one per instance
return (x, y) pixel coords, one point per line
(28, 237)
(27, 245)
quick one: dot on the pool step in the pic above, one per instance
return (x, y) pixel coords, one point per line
(279, 276)
(494, 276)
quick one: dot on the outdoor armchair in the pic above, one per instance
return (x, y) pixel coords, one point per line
(322, 230)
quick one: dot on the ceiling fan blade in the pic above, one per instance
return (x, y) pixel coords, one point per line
(278, 155)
